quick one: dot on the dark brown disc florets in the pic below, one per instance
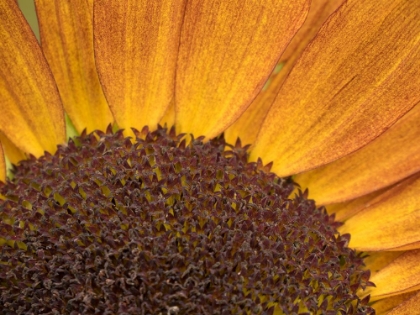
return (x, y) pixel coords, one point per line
(107, 226)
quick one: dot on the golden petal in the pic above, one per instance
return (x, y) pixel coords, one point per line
(358, 76)
(390, 222)
(376, 261)
(249, 123)
(402, 275)
(388, 159)
(13, 153)
(2, 165)
(136, 44)
(408, 307)
(228, 49)
(168, 118)
(385, 305)
(345, 210)
(31, 112)
(67, 43)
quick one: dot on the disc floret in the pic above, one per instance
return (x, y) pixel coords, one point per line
(107, 225)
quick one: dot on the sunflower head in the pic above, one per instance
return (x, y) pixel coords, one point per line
(158, 226)
(153, 222)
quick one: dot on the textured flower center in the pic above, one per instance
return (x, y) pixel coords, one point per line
(158, 226)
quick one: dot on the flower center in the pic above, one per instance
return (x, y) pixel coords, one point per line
(158, 226)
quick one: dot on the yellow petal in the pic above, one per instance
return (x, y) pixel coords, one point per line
(228, 49)
(409, 307)
(345, 210)
(376, 261)
(370, 168)
(402, 275)
(136, 45)
(31, 114)
(385, 305)
(356, 78)
(247, 126)
(319, 11)
(67, 43)
(249, 123)
(13, 153)
(168, 118)
(391, 222)
(2, 165)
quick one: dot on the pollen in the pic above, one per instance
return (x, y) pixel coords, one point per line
(161, 225)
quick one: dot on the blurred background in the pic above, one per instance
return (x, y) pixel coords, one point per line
(28, 9)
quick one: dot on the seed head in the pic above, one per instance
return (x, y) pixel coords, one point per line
(159, 226)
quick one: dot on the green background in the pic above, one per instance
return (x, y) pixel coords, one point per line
(28, 9)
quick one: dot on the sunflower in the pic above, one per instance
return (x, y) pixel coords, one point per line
(325, 92)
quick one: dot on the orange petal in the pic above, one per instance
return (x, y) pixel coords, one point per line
(356, 78)
(31, 111)
(390, 222)
(2, 165)
(228, 49)
(136, 45)
(248, 125)
(402, 275)
(67, 43)
(409, 307)
(385, 305)
(370, 168)
(11, 150)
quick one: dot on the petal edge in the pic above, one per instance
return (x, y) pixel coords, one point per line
(31, 111)
(357, 77)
